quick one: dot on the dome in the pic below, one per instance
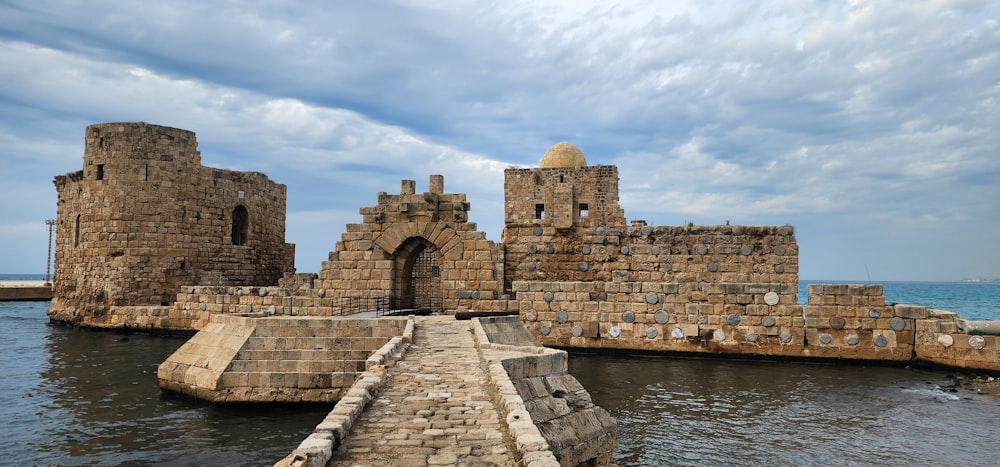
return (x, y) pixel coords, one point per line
(562, 155)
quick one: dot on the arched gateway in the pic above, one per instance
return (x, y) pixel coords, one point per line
(417, 277)
(417, 251)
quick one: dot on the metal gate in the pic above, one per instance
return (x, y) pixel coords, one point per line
(425, 282)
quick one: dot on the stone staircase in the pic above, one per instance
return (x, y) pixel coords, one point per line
(320, 367)
(277, 359)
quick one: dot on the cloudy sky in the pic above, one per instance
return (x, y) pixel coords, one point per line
(872, 127)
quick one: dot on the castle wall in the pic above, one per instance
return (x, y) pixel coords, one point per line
(144, 217)
(581, 278)
(943, 339)
(148, 238)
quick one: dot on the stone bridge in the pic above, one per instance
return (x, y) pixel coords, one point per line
(424, 390)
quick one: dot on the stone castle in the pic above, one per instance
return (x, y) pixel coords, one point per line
(150, 239)
(144, 218)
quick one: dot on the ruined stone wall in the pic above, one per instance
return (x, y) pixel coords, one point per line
(144, 217)
(378, 257)
(841, 321)
(852, 321)
(942, 340)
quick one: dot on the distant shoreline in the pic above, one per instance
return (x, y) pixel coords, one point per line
(21, 283)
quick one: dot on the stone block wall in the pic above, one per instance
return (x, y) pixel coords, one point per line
(550, 211)
(655, 316)
(713, 254)
(144, 217)
(839, 321)
(942, 340)
(566, 198)
(540, 400)
(379, 257)
(852, 321)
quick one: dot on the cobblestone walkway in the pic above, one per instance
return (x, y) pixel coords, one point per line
(436, 409)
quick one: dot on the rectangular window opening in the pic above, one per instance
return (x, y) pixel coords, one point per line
(584, 210)
(539, 211)
(100, 171)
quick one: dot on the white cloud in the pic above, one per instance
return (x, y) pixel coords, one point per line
(845, 117)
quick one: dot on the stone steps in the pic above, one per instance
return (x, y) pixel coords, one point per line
(324, 328)
(315, 343)
(303, 366)
(299, 380)
(315, 354)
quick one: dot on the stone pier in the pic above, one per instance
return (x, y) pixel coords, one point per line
(437, 410)
(25, 291)
(479, 392)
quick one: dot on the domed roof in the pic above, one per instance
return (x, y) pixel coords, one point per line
(562, 155)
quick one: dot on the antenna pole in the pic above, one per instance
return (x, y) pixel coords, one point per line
(51, 223)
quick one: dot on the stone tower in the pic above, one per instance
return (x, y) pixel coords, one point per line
(549, 210)
(144, 217)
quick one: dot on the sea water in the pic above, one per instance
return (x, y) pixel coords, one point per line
(73, 396)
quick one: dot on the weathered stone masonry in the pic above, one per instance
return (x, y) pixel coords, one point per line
(580, 276)
(419, 249)
(144, 218)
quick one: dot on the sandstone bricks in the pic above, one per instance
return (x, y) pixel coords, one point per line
(144, 217)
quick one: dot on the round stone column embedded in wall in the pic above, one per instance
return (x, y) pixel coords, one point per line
(661, 317)
(652, 298)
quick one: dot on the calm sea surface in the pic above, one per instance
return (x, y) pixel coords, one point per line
(80, 397)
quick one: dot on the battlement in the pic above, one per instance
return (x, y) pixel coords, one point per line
(408, 206)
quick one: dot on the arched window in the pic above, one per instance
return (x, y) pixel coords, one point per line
(241, 223)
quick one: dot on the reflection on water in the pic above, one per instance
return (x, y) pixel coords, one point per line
(77, 397)
(674, 411)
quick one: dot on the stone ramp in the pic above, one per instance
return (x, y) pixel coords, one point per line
(436, 408)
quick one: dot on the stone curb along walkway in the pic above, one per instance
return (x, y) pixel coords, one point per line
(435, 406)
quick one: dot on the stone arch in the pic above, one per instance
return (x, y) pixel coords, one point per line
(444, 238)
(417, 276)
(241, 225)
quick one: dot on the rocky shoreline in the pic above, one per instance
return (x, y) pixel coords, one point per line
(965, 383)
